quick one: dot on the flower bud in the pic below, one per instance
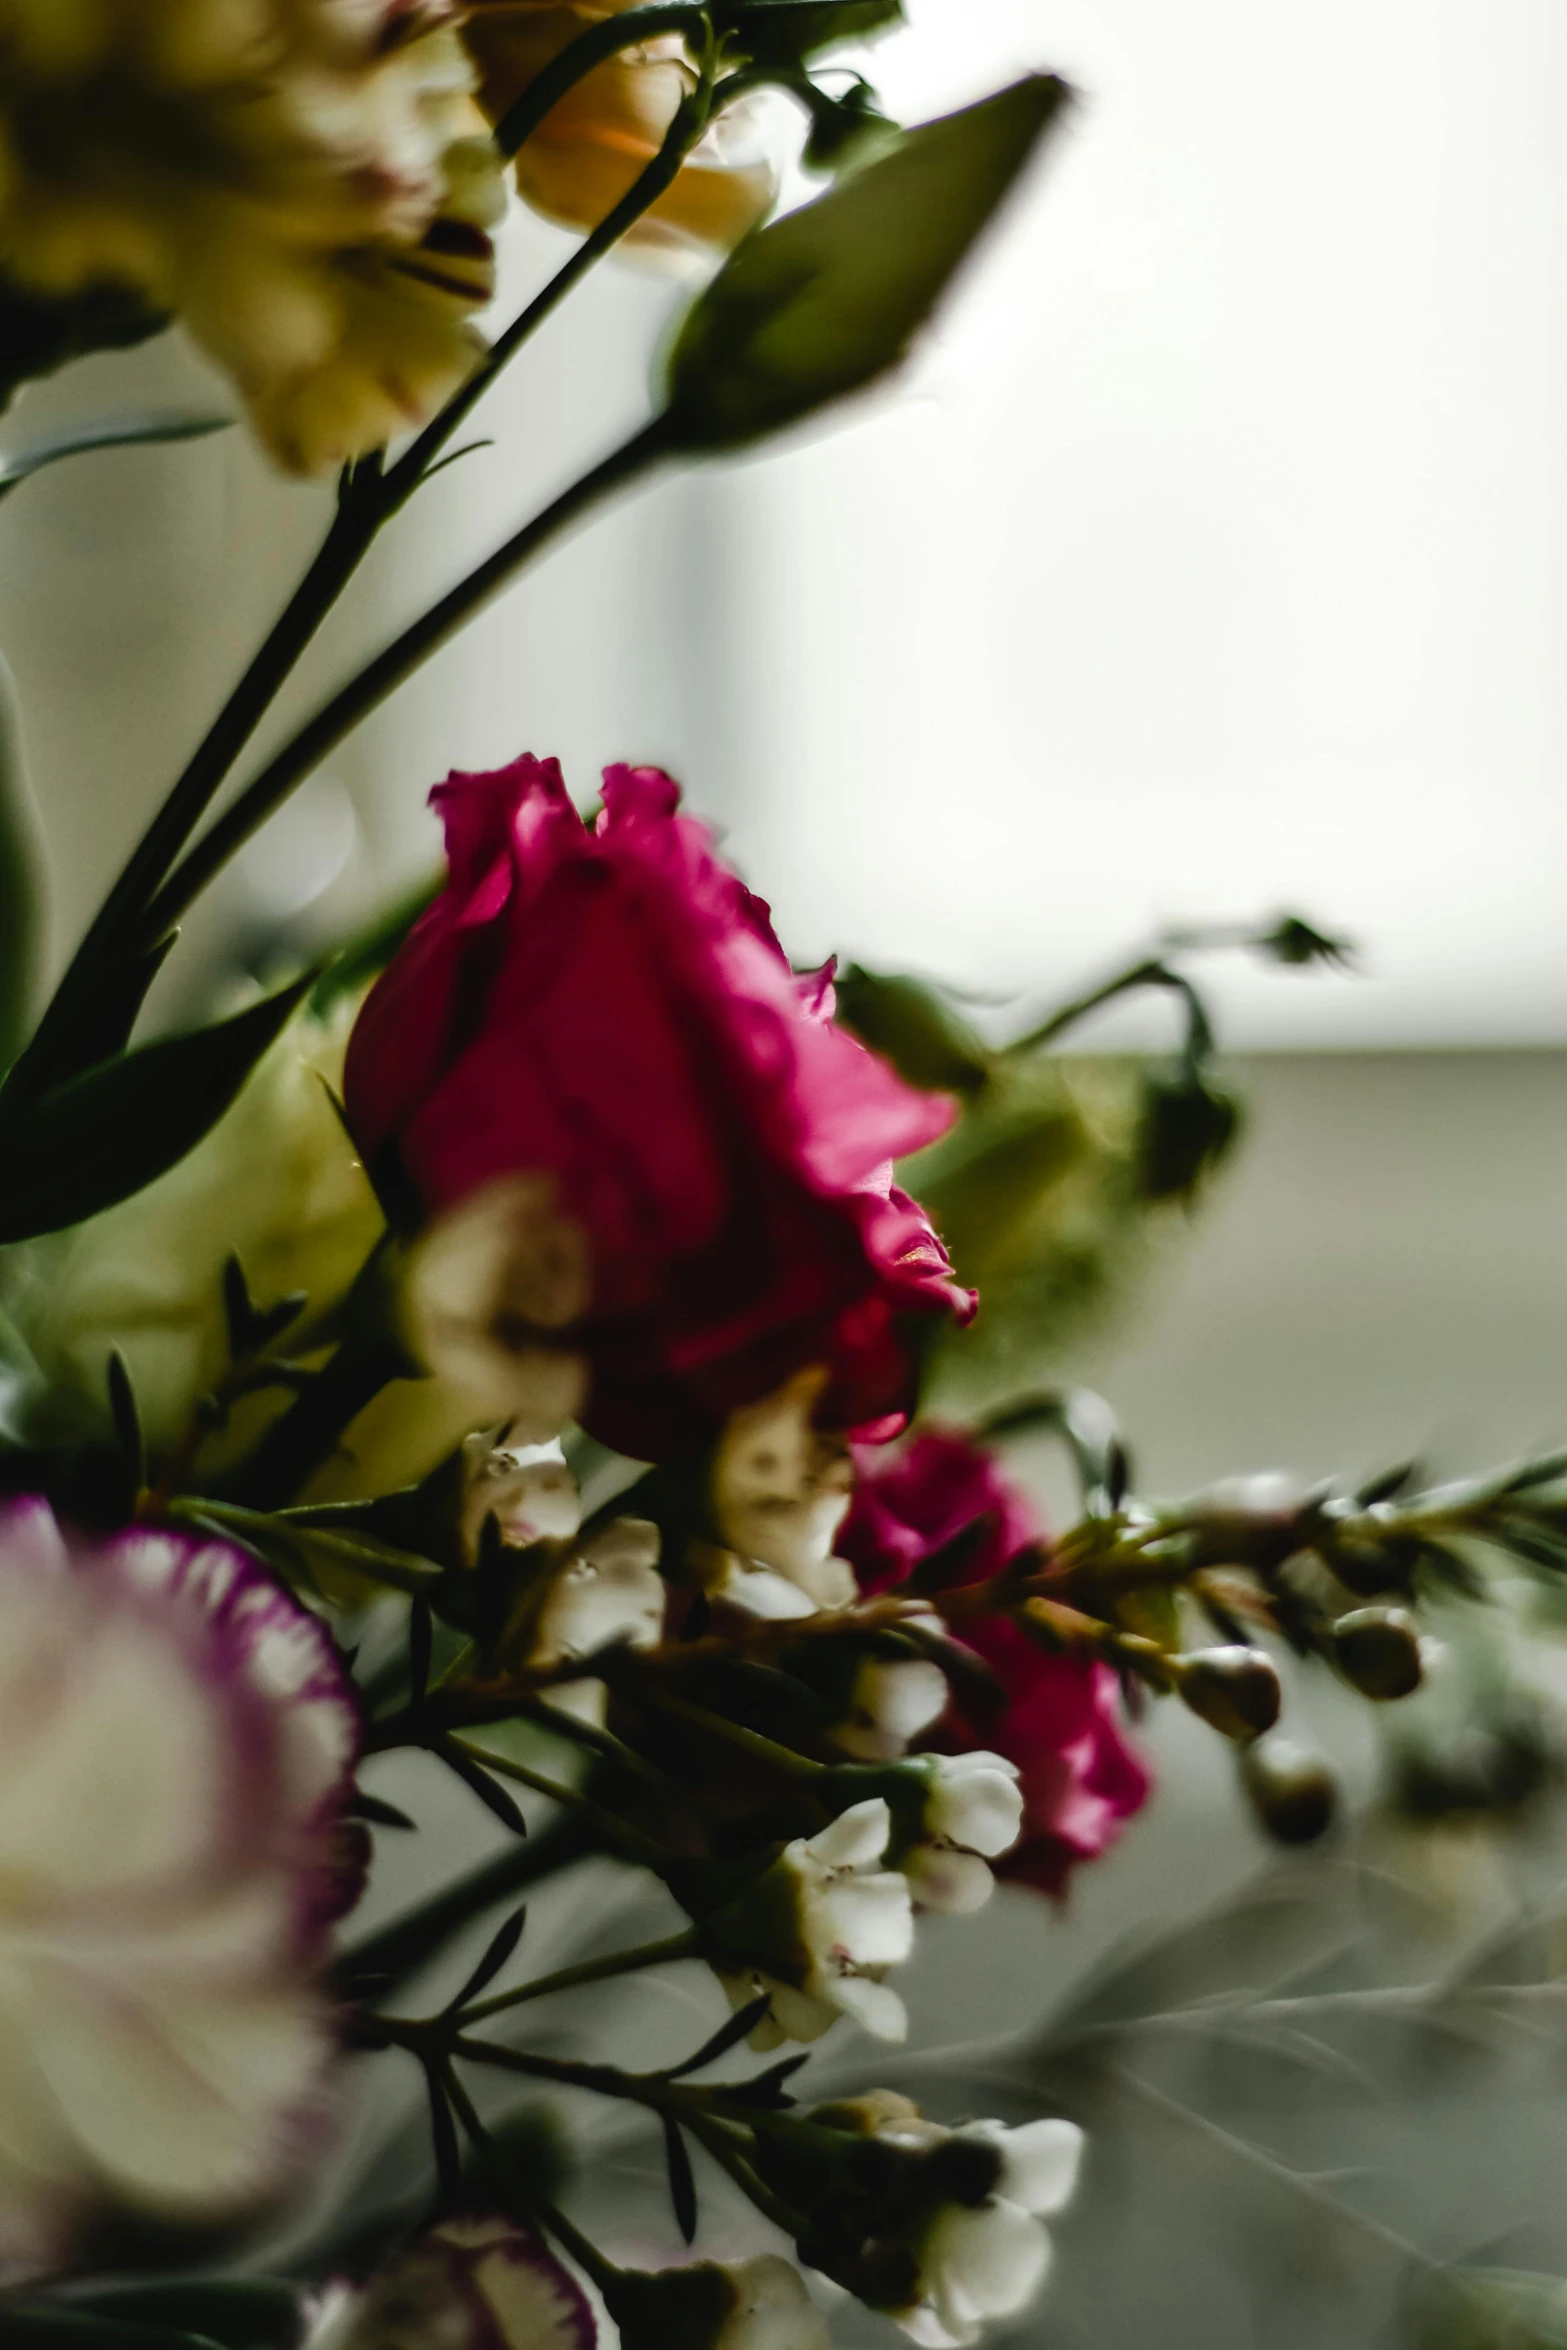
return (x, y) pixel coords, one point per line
(1234, 1689)
(1377, 1649)
(757, 2304)
(1291, 1790)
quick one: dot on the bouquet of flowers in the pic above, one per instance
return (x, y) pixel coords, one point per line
(551, 1355)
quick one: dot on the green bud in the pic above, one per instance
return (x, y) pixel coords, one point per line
(1291, 1790)
(1235, 1690)
(828, 299)
(787, 32)
(1188, 1127)
(1377, 1649)
(910, 1026)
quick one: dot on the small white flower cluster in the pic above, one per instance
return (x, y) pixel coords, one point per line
(757, 2304)
(944, 2231)
(780, 1491)
(984, 2260)
(973, 1813)
(819, 1931)
(307, 183)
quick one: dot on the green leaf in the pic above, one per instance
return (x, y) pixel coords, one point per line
(42, 332)
(121, 433)
(112, 1131)
(241, 2313)
(827, 300)
(787, 32)
(21, 880)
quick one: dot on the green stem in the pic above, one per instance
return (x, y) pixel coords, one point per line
(689, 122)
(48, 1058)
(712, 2134)
(580, 2248)
(406, 653)
(309, 1432)
(587, 1970)
(369, 500)
(752, 1742)
(399, 1949)
(629, 1842)
(591, 48)
(1150, 972)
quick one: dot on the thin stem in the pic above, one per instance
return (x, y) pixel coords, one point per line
(752, 1742)
(309, 1432)
(406, 653)
(369, 499)
(689, 122)
(581, 2248)
(1150, 972)
(587, 1970)
(397, 1950)
(630, 1842)
(591, 48)
(355, 524)
(712, 2134)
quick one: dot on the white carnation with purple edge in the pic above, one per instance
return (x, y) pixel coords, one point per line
(177, 1737)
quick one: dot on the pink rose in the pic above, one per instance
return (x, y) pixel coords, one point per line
(1062, 1727)
(607, 1009)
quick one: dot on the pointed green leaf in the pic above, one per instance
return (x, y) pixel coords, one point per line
(21, 880)
(113, 1131)
(117, 433)
(786, 32)
(823, 302)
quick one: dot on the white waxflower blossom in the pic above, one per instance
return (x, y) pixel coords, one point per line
(489, 1287)
(474, 2283)
(608, 1594)
(176, 1740)
(528, 1489)
(757, 2304)
(818, 1932)
(781, 1489)
(891, 1701)
(984, 2261)
(732, 1582)
(973, 1814)
(306, 183)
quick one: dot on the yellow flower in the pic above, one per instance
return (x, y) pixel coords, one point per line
(307, 183)
(590, 148)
